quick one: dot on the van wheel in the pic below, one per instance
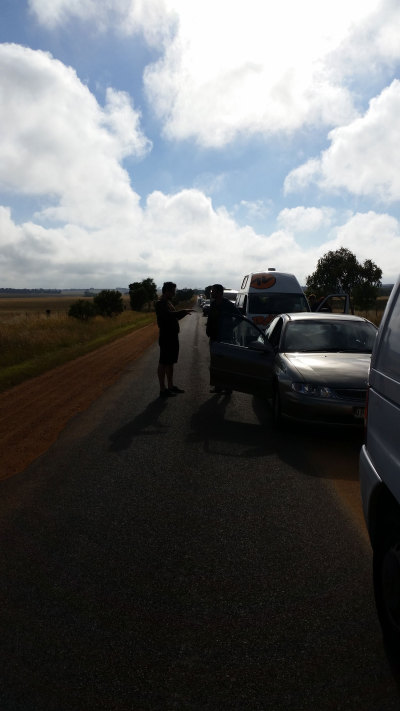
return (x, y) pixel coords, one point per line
(276, 407)
(386, 574)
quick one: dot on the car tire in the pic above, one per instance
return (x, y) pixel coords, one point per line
(276, 407)
(386, 578)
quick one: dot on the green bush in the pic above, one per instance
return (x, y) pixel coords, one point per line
(83, 310)
(109, 302)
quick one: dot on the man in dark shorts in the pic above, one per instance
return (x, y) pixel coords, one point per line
(167, 319)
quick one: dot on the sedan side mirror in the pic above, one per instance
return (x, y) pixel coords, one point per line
(258, 346)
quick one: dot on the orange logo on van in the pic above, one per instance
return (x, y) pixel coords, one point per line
(262, 281)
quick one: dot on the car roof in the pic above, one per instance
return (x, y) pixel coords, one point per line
(323, 316)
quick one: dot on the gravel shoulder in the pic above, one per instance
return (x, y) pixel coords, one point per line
(33, 414)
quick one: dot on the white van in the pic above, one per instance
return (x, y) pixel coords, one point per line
(380, 470)
(263, 295)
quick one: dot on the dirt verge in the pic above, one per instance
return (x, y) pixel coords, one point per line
(33, 414)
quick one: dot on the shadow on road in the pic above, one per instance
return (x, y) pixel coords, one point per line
(147, 420)
(226, 437)
(323, 451)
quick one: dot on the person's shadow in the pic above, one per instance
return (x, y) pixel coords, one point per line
(220, 435)
(145, 423)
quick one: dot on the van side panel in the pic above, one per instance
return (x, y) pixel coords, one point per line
(383, 437)
(384, 398)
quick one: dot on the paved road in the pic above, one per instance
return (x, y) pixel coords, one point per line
(182, 555)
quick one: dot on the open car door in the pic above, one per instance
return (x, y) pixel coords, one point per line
(340, 303)
(242, 358)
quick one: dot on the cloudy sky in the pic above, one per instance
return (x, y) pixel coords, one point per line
(196, 141)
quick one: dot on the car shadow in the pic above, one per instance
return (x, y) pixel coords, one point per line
(145, 423)
(318, 450)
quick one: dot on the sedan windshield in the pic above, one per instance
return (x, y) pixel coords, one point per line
(332, 336)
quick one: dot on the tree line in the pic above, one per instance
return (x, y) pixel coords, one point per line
(336, 272)
(109, 302)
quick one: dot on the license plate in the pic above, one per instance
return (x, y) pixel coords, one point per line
(359, 412)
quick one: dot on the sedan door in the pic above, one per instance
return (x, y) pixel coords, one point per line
(242, 359)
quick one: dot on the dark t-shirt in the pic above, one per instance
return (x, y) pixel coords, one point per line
(216, 315)
(167, 319)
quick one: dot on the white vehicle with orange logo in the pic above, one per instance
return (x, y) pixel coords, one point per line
(263, 295)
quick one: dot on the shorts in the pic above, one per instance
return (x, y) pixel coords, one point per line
(169, 350)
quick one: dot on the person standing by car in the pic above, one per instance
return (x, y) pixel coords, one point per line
(218, 317)
(219, 308)
(167, 320)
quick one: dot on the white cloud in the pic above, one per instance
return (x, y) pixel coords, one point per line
(372, 236)
(58, 141)
(373, 43)
(305, 219)
(363, 157)
(180, 237)
(263, 68)
(149, 17)
(257, 209)
(259, 73)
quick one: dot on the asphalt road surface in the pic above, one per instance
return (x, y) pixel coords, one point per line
(182, 554)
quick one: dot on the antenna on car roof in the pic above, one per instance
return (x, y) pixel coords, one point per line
(271, 269)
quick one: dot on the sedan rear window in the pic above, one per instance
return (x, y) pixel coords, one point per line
(333, 336)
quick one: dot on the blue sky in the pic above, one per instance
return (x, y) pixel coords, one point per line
(172, 140)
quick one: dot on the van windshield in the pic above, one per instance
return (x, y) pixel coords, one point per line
(274, 303)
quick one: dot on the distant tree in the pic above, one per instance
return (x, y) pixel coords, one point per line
(141, 293)
(340, 272)
(367, 290)
(83, 310)
(184, 295)
(108, 302)
(138, 298)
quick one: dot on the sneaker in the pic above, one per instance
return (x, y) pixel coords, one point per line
(166, 393)
(175, 389)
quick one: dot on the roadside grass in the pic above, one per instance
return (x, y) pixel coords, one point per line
(375, 314)
(32, 342)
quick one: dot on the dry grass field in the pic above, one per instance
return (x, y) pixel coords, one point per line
(375, 314)
(38, 306)
(37, 334)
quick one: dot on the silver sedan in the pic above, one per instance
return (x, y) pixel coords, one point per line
(313, 366)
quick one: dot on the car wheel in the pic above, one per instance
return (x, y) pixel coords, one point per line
(386, 573)
(276, 407)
